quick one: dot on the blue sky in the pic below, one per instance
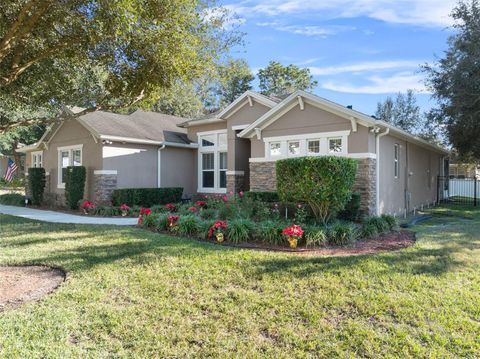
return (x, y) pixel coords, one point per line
(359, 51)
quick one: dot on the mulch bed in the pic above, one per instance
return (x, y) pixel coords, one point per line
(22, 284)
(388, 242)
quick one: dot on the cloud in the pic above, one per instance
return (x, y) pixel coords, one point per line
(399, 82)
(413, 12)
(307, 30)
(370, 66)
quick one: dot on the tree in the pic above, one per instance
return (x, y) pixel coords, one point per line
(235, 77)
(455, 82)
(403, 112)
(279, 80)
(133, 49)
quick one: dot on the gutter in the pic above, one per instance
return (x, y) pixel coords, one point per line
(159, 166)
(377, 150)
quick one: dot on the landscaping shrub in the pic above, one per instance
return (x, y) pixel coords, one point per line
(188, 225)
(324, 183)
(208, 213)
(161, 221)
(374, 226)
(351, 212)
(263, 196)
(150, 221)
(147, 197)
(239, 230)
(315, 236)
(390, 221)
(75, 185)
(12, 199)
(342, 233)
(204, 228)
(36, 184)
(106, 211)
(270, 232)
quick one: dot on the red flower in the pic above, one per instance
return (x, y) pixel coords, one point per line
(218, 226)
(171, 207)
(241, 194)
(124, 207)
(172, 220)
(193, 209)
(143, 212)
(293, 231)
(225, 198)
(201, 203)
(87, 205)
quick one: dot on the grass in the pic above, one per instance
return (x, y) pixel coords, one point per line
(132, 293)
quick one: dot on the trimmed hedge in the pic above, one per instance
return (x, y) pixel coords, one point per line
(263, 196)
(324, 183)
(75, 185)
(36, 183)
(12, 199)
(146, 197)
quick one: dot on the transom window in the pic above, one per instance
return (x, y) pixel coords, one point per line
(213, 162)
(68, 156)
(37, 159)
(314, 144)
(335, 145)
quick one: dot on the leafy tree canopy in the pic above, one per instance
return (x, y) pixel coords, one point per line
(279, 80)
(102, 53)
(403, 111)
(455, 81)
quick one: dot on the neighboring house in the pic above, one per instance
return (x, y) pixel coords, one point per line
(144, 149)
(464, 170)
(236, 149)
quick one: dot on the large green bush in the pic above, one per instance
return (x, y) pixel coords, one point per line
(75, 185)
(263, 196)
(146, 197)
(351, 212)
(324, 183)
(36, 183)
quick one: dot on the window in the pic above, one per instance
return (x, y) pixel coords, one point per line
(68, 156)
(314, 147)
(212, 162)
(37, 159)
(275, 149)
(396, 154)
(293, 148)
(223, 169)
(335, 145)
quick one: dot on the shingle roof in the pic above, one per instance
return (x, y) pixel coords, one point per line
(140, 124)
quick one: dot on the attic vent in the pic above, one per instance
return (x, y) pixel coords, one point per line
(350, 107)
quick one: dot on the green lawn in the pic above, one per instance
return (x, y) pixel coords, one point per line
(131, 293)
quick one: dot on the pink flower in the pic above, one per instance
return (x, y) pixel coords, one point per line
(299, 206)
(217, 227)
(200, 203)
(225, 198)
(241, 194)
(293, 231)
(87, 205)
(193, 209)
(172, 220)
(230, 193)
(171, 207)
(124, 207)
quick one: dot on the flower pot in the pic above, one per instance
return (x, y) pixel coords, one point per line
(124, 213)
(293, 242)
(220, 237)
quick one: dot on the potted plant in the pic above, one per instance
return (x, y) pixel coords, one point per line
(293, 234)
(87, 206)
(217, 230)
(143, 212)
(124, 208)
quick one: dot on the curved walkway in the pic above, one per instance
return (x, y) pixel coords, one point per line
(59, 217)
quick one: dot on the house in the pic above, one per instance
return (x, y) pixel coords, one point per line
(464, 170)
(236, 149)
(143, 149)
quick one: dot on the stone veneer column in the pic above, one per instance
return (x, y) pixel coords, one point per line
(263, 177)
(235, 181)
(104, 182)
(366, 185)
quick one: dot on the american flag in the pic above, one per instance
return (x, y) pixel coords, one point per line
(11, 169)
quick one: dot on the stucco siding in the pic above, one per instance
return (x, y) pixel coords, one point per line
(72, 133)
(136, 165)
(192, 131)
(178, 169)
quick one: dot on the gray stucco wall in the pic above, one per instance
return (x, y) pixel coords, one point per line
(178, 169)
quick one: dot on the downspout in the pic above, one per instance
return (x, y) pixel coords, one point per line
(159, 166)
(377, 150)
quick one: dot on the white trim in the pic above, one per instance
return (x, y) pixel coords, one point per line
(159, 166)
(301, 103)
(181, 145)
(129, 140)
(377, 162)
(354, 124)
(250, 102)
(200, 122)
(36, 154)
(216, 150)
(211, 190)
(235, 173)
(105, 172)
(241, 100)
(239, 127)
(211, 132)
(349, 155)
(47, 173)
(73, 147)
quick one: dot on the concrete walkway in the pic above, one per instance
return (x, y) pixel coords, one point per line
(59, 217)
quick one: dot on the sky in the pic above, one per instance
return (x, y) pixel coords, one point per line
(359, 51)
